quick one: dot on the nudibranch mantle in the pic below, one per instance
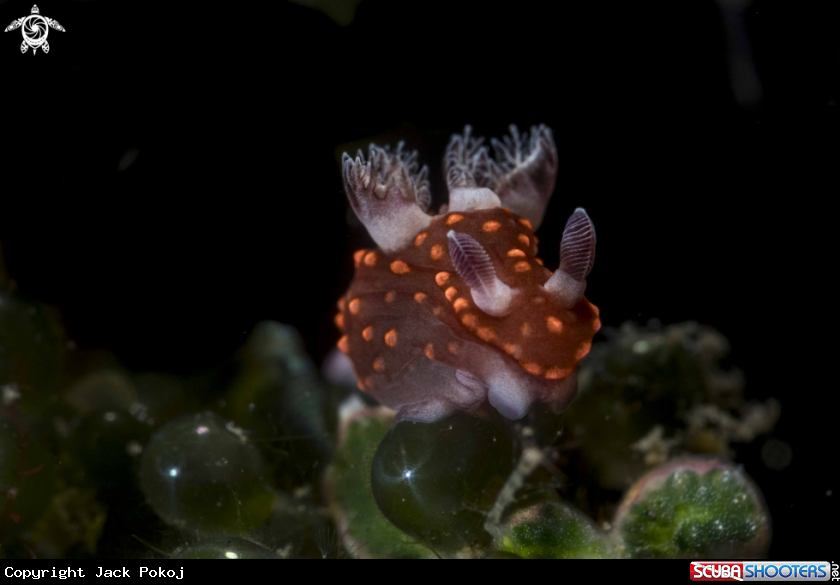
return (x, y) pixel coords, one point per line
(455, 309)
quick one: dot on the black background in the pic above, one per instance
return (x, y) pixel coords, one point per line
(234, 211)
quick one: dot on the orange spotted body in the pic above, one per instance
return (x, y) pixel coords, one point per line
(546, 338)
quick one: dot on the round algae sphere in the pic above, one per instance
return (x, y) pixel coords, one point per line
(552, 529)
(201, 474)
(694, 508)
(436, 481)
(224, 547)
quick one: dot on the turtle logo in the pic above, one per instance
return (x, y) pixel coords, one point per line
(35, 29)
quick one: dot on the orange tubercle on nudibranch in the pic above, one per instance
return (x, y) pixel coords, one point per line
(400, 267)
(343, 344)
(469, 320)
(583, 351)
(486, 333)
(554, 324)
(532, 368)
(512, 349)
(555, 373)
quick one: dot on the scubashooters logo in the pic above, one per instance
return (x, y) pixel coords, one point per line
(760, 571)
(35, 29)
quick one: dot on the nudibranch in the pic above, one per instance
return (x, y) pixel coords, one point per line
(455, 309)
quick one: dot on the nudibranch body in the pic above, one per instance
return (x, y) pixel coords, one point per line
(455, 309)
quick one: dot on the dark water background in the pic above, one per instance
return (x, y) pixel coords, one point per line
(233, 210)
